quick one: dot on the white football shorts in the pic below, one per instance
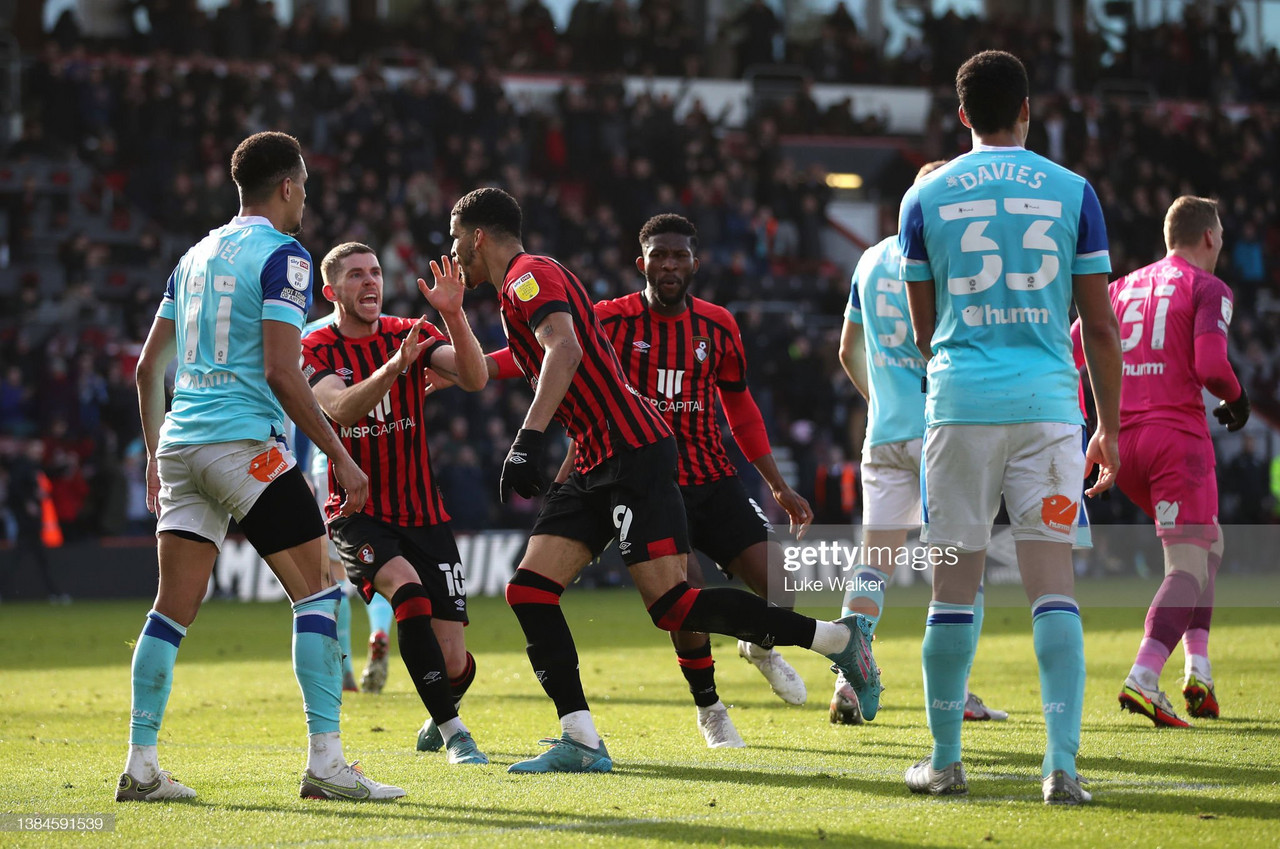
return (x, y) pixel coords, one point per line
(203, 486)
(891, 485)
(1037, 466)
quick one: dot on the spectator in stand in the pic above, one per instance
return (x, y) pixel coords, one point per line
(158, 124)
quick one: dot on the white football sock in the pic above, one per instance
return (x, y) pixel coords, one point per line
(453, 726)
(579, 726)
(830, 637)
(142, 763)
(1198, 665)
(1147, 679)
(324, 754)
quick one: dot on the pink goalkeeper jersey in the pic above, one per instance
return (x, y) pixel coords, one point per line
(1162, 309)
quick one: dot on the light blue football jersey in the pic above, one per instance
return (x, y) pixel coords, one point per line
(1000, 232)
(221, 291)
(309, 457)
(894, 364)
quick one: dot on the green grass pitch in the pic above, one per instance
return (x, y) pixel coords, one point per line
(234, 731)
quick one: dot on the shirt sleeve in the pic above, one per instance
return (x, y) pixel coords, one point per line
(745, 423)
(1214, 304)
(915, 257)
(168, 309)
(536, 296)
(731, 370)
(1092, 252)
(853, 310)
(317, 363)
(286, 285)
(438, 340)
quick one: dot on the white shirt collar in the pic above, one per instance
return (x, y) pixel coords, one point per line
(246, 220)
(979, 146)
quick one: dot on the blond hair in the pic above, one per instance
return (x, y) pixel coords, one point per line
(1187, 219)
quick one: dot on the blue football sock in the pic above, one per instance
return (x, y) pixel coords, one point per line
(153, 659)
(1059, 641)
(947, 653)
(978, 608)
(868, 583)
(344, 632)
(379, 615)
(317, 660)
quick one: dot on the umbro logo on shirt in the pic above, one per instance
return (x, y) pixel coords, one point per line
(641, 345)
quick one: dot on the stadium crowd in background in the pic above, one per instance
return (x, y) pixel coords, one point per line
(589, 167)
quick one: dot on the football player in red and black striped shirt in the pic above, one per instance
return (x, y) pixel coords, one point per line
(623, 485)
(684, 355)
(366, 371)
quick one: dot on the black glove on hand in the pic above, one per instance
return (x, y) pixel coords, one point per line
(522, 470)
(1233, 414)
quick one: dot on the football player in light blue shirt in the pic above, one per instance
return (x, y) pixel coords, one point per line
(996, 246)
(879, 354)
(890, 367)
(232, 314)
(379, 611)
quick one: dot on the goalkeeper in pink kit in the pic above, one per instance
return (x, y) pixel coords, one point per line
(1174, 316)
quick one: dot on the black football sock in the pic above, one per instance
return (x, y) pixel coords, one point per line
(421, 652)
(732, 612)
(459, 685)
(535, 600)
(699, 670)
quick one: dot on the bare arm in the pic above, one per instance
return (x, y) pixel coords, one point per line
(923, 304)
(282, 349)
(1100, 337)
(797, 507)
(347, 405)
(562, 353)
(853, 356)
(463, 361)
(157, 352)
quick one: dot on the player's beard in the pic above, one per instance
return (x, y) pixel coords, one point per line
(681, 292)
(469, 280)
(296, 230)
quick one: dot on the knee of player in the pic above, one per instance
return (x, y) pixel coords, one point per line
(670, 610)
(529, 587)
(410, 600)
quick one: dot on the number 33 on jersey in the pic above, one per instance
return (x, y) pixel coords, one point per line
(1001, 232)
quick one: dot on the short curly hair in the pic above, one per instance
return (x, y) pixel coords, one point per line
(991, 86)
(261, 161)
(490, 209)
(668, 222)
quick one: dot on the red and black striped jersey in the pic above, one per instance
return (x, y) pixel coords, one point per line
(679, 364)
(600, 411)
(390, 443)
